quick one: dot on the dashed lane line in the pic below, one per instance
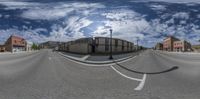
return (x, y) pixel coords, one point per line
(142, 81)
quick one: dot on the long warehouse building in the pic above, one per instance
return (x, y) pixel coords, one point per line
(99, 45)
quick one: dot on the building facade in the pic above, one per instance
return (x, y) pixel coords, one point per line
(49, 44)
(15, 44)
(159, 46)
(102, 45)
(29, 46)
(97, 45)
(168, 43)
(173, 44)
(2, 48)
(182, 46)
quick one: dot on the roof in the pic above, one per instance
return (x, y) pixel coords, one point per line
(171, 37)
(160, 43)
(115, 39)
(17, 37)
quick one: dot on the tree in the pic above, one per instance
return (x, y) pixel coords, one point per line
(35, 46)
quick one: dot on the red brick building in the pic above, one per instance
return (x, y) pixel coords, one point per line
(173, 44)
(168, 43)
(182, 46)
(15, 44)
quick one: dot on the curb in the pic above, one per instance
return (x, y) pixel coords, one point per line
(95, 62)
(4, 53)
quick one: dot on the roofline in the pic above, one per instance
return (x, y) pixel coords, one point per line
(17, 37)
(170, 37)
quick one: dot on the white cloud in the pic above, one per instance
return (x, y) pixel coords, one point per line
(71, 29)
(126, 24)
(157, 7)
(55, 12)
(198, 16)
(121, 15)
(51, 11)
(6, 16)
(177, 1)
(182, 15)
(29, 34)
(11, 5)
(45, 14)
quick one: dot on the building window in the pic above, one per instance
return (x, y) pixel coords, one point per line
(116, 43)
(97, 40)
(106, 44)
(122, 45)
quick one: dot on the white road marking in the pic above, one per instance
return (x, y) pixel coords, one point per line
(142, 81)
(136, 79)
(141, 85)
(85, 57)
(127, 59)
(90, 65)
(93, 65)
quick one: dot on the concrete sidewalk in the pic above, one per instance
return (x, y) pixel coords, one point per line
(178, 52)
(98, 59)
(18, 52)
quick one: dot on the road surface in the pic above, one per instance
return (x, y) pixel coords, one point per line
(48, 75)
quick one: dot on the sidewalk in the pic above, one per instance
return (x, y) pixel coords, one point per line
(17, 52)
(179, 52)
(98, 59)
(106, 57)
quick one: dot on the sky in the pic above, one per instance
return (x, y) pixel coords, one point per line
(64, 20)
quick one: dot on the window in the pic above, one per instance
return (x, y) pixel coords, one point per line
(116, 43)
(122, 45)
(106, 44)
(97, 41)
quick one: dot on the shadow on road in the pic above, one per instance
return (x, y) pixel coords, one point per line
(139, 72)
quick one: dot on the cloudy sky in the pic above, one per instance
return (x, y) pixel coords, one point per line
(63, 20)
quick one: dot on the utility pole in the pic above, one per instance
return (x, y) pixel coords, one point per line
(110, 44)
(137, 43)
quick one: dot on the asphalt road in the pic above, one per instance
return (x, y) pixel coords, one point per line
(48, 75)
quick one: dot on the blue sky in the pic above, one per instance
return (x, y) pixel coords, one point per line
(63, 20)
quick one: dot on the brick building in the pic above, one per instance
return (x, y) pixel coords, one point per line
(15, 44)
(173, 44)
(182, 46)
(168, 44)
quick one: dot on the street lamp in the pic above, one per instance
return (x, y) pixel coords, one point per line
(110, 44)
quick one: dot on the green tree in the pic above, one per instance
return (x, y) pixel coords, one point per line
(35, 46)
